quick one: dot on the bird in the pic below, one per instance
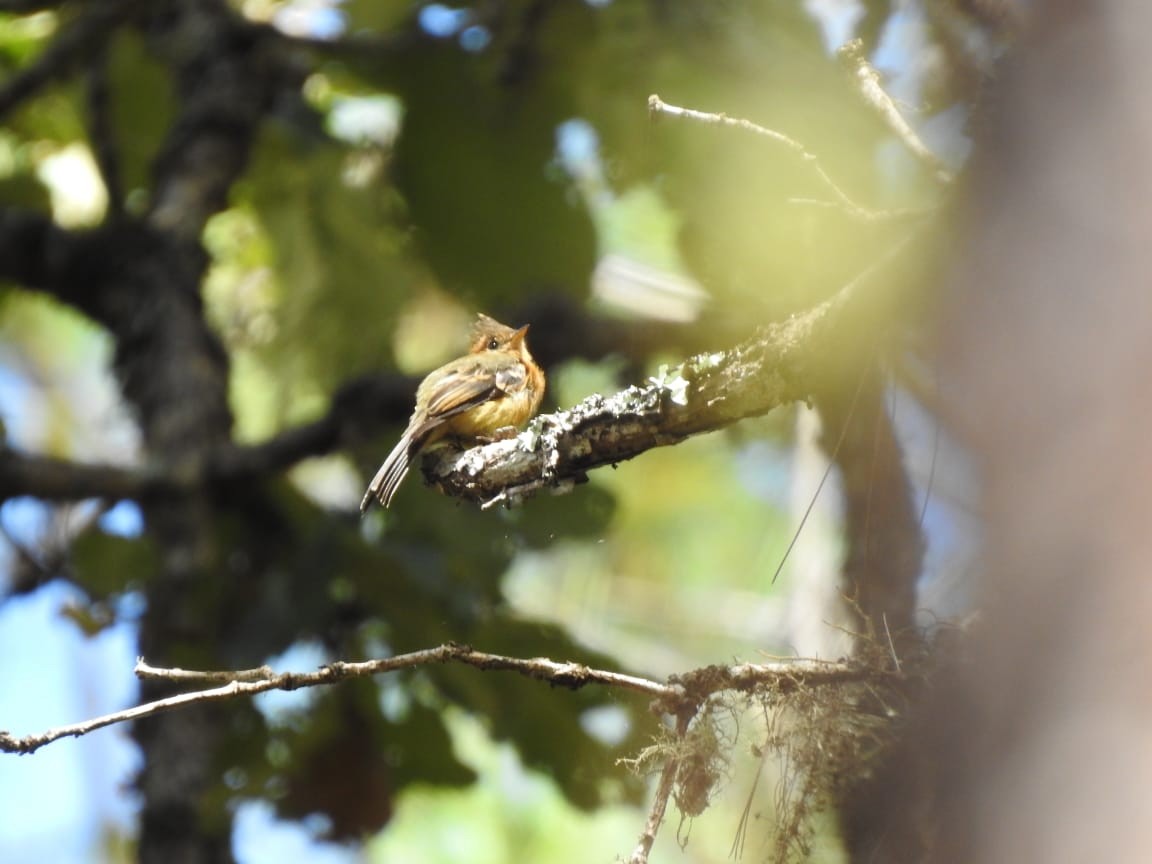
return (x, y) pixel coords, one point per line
(493, 389)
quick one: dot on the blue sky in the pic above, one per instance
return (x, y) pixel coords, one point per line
(53, 675)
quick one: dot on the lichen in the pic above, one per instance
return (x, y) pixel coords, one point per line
(672, 382)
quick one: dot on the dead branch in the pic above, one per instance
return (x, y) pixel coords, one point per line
(842, 200)
(679, 696)
(659, 807)
(867, 81)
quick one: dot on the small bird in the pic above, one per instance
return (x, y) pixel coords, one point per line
(486, 393)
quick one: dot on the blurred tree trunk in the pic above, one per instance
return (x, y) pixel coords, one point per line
(885, 549)
(174, 372)
(185, 415)
(1034, 745)
(883, 560)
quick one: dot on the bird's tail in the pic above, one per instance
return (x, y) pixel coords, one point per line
(394, 469)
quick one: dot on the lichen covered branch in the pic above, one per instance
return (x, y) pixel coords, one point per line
(784, 362)
(705, 393)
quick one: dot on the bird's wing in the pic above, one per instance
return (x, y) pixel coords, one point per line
(462, 388)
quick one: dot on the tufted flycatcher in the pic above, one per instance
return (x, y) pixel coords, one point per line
(494, 387)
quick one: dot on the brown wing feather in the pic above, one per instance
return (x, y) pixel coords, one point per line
(460, 390)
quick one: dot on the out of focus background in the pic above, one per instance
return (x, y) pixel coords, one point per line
(224, 221)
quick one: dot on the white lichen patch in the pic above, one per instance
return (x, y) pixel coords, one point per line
(672, 382)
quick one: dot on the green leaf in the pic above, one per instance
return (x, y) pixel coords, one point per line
(107, 564)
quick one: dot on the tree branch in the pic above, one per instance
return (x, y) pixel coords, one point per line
(707, 392)
(360, 407)
(25, 7)
(659, 804)
(75, 42)
(884, 545)
(657, 106)
(867, 81)
(32, 248)
(680, 696)
(61, 480)
(782, 364)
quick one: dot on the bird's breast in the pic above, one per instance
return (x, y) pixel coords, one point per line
(512, 409)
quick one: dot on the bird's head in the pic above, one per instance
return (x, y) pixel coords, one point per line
(488, 334)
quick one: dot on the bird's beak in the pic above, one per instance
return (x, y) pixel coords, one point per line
(518, 336)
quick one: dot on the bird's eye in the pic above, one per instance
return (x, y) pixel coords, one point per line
(493, 344)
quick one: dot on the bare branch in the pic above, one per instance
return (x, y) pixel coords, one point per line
(656, 812)
(867, 81)
(31, 743)
(657, 106)
(62, 480)
(360, 407)
(680, 696)
(570, 675)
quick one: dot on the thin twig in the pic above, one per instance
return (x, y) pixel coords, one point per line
(867, 81)
(736, 851)
(29, 561)
(66, 50)
(891, 214)
(570, 675)
(931, 470)
(682, 696)
(891, 644)
(223, 676)
(51, 561)
(656, 812)
(656, 106)
(873, 267)
(253, 681)
(819, 488)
